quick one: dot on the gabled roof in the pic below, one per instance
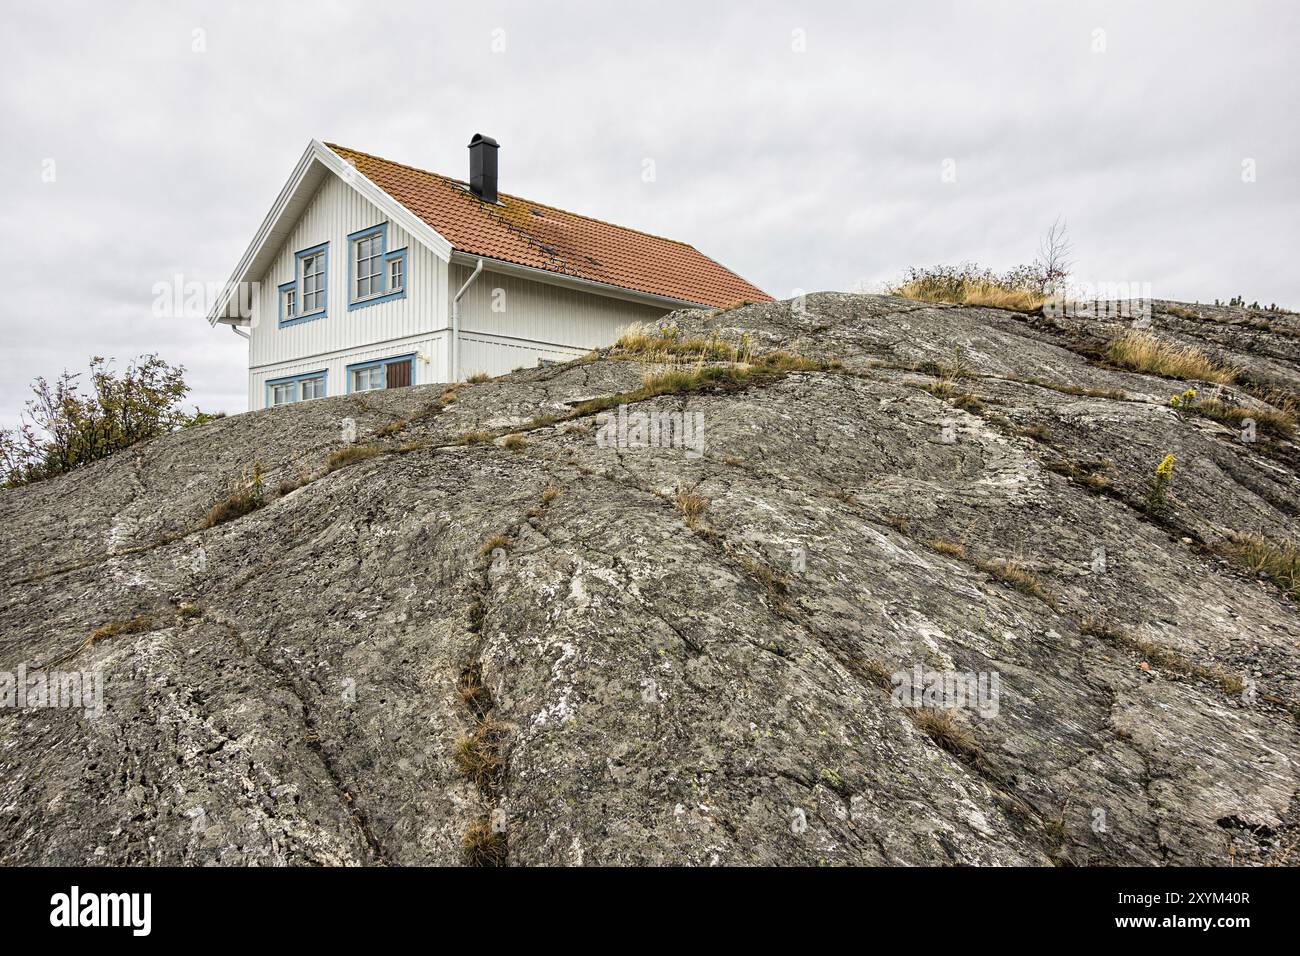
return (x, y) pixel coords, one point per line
(542, 237)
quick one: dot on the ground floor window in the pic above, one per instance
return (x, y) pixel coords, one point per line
(388, 373)
(368, 379)
(312, 388)
(301, 388)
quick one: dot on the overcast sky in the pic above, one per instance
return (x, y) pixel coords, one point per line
(803, 145)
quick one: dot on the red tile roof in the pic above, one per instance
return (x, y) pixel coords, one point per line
(533, 234)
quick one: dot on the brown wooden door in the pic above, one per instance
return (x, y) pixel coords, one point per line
(397, 375)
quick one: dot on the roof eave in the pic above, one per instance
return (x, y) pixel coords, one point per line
(608, 290)
(315, 162)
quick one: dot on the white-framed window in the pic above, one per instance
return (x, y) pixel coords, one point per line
(312, 388)
(395, 276)
(284, 394)
(313, 283)
(290, 303)
(368, 379)
(369, 275)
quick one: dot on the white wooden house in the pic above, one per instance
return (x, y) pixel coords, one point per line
(370, 274)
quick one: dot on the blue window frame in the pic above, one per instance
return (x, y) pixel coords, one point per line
(307, 296)
(374, 273)
(296, 388)
(372, 376)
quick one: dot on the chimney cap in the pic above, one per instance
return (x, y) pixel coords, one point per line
(480, 139)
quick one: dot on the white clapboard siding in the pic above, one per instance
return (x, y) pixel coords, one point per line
(334, 212)
(542, 314)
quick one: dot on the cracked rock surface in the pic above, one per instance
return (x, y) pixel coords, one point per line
(291, 688)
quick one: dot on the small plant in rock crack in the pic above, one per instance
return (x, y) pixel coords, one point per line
(1184, 404)
(480, 756)
(690, 503)
(1158, 489)
(482, 845)
(247, 494)
(956, 367)
(498, 542)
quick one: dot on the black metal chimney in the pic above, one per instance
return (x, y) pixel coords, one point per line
(483, 167)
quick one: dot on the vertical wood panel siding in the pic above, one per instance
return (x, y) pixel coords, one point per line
(335, 211)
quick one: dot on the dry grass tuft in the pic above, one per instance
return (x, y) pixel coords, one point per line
(1144, 352)
(1069, 389)
(483, 846)
(136, 625)
(973, 292)
(1096, 625)
(543, 421)
(478, 378)
(480, 755)
(515, 442)
(776, 584)
(550, 493)
(953, 549)
(690, 503)
(945, 730)
(246, 496)
(502, 541)
(1279, 561)
(1280, 422)
(871, 671)
(474, 437)
(1021, 578)
(350, 455)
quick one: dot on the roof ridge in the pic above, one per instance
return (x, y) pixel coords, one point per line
(531, 202)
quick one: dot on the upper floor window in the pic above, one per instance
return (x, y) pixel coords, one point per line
(369, 272)
(306, 295)
(313, 282)
(375, 273)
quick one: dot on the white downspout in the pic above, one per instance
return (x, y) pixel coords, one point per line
(238, 331)
(455, 322)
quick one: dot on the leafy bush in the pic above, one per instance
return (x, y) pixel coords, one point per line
(63, 429)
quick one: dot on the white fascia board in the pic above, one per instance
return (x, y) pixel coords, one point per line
(318, 153)
(417, 227)
(573, 282)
